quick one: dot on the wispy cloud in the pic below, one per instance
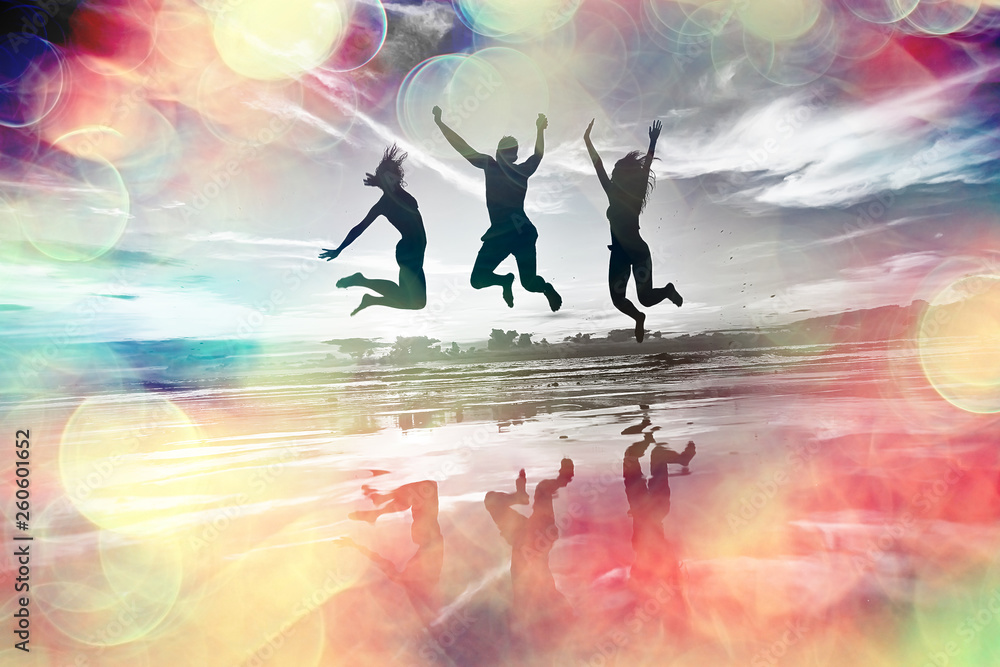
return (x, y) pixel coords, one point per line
(803, 151)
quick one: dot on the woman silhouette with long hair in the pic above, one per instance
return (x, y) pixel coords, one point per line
(400, 209)
(628, 190)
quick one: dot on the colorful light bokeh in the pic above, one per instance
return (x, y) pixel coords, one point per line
(202, 463)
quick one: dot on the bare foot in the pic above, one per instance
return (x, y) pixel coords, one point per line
(350, 281)
(521, 494)
(685, 457)
(508, 292)
(673, 295)
(640, 323)
(373, 495)
(555, 301)
(366, 301)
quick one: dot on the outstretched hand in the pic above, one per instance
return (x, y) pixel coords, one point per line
(371, 180)
(330, 254)
(654, 131)
(437, 113)
(542, 122)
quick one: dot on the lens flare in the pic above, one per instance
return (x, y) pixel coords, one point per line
(32, 80)
(515, 20)
(107, 591)
(136, 483)
(72, 209)
(942, 17)
(959, 341)
(363, 38)
(277, 39)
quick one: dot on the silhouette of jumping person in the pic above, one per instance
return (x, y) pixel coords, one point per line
(627, 191)
(539, 612)
(510, 232)
(400, 209)
(655, 573)
(422, 573)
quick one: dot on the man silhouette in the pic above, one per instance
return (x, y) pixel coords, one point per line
(510, 232)
(540, 613)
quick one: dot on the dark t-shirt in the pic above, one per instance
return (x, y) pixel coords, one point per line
(506, 187)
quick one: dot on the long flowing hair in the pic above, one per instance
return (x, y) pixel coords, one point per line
(392, 160)
(627, 175)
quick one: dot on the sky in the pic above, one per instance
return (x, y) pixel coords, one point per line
(172, 168)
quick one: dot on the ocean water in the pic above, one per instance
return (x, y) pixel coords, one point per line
(837, 509)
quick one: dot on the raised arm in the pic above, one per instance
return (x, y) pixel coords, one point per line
(654, 134)
(529, 166)
(602, 175)
(476, 158)
(352, 235)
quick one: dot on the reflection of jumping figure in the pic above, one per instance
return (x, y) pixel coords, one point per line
(421, 574)
(400, 209)
(655, 573)
(627, 191)
(510, 232)
(539, 611)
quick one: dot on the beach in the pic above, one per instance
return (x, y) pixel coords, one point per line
(837, 509)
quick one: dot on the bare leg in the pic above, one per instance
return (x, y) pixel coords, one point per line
(547, 488)
(409, 294)
(618, 275)
(519, 497)
(642, 269)
(527, 268)
(421, 497)
(483, 271)
(498, 504)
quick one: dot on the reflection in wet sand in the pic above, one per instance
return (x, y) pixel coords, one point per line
(539, 613)
(840, 512)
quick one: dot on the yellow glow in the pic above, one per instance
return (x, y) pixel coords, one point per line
(134, 480)
(960, 343)
(277, 39)
(73, 209)
(779, 20)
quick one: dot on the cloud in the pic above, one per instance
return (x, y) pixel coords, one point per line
(803, 151)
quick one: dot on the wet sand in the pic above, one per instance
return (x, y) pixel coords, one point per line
(837, 511)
